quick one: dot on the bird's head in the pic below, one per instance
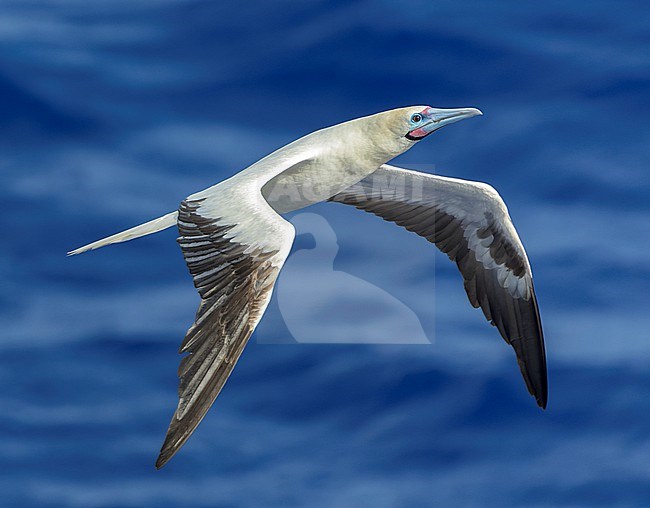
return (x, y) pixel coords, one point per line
(419, 122)
(399, 129)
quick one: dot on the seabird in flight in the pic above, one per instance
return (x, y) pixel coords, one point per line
(235, 241)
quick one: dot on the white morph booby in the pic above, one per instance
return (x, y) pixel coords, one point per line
(235, 242)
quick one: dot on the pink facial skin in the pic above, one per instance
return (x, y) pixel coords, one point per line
(418, 133)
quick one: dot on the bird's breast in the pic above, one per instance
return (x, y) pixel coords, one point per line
(312, 181)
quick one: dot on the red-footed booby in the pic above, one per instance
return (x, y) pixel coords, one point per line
(235, 241)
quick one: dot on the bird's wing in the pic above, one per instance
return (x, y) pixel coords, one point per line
(469, 222)
(234, 245)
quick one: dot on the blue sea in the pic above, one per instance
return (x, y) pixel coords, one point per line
(113, 111)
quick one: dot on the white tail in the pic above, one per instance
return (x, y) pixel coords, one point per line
(153, 226)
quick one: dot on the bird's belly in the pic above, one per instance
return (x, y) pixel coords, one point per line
(307, 183)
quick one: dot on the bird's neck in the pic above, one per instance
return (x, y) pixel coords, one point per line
(364, 143)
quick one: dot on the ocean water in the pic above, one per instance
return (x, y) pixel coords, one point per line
(111, 112)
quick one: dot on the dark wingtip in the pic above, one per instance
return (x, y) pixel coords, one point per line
(543, 400)
(536, 379)
(163, 458)
(541, 393)
(167, 450)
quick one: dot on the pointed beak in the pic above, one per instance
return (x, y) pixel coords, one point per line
(437, 118)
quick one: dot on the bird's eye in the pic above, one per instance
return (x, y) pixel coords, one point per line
(416, 118)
